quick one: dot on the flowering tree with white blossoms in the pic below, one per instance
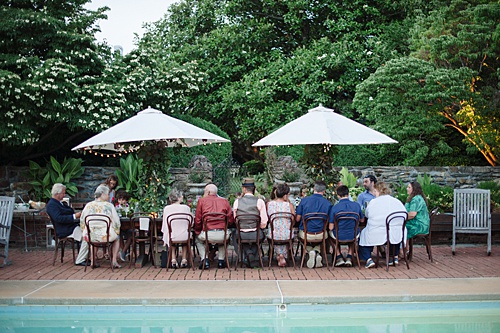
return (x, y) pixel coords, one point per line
(58, 86)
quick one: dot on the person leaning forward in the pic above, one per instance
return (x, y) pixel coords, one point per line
(248, 203)
(211, 203)
(314, 203)
(66, 221)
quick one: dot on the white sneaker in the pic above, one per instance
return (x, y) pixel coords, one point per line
(312, 259)
(319, 261)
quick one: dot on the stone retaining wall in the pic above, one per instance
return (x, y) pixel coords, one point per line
(13, 180)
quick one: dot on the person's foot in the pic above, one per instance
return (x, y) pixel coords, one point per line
(394, 261)
(348, 260)
(174, 264)
(339, 261)
(83, 263)
(116, 265)
(184, 263)
(281, 261)
(221, 264)
(205, 262)
(319, 261)
(311, 262)
(370, 263)
(122, 256)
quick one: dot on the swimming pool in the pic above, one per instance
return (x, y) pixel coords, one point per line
(362, 317)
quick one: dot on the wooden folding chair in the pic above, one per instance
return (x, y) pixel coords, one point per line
(394, 220)
(209, 220)
(425, 237)
(289, 219)
(94, 221)
(310, 218)
(347, 221)
(180, 221)
(248, 221)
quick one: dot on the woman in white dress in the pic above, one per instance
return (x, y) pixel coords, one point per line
(374, 233)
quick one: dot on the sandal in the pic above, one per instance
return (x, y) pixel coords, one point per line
(184, 263)
(117, 265)
(174, 264)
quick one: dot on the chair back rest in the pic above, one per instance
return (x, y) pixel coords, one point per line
(315, 222)
(143, 221)
(97, 224)
(395, 226)
(282, 217)
(247, 221)
(211, 221)
(348, 223)
(180, 221)
(432, 216)
(471, 209)
(6, 213)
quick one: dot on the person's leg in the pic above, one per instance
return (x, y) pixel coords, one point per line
(83, 253)
(115, 249)
(365, 252)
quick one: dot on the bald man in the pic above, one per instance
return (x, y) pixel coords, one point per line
(212, 203)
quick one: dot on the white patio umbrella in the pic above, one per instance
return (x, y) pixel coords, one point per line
(149, 125)
(323, 126)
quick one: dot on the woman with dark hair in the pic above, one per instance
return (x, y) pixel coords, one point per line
(282, 226)
(418, 214)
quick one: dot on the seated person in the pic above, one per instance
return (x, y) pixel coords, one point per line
(418, 213)
(65, 220)
(314, 203)
(248, 203)
(101, 205)
(122, 208)
(365, 197)
(374, 233)
(211, 203)
(175, 198)
(281, 225)
(345, 229)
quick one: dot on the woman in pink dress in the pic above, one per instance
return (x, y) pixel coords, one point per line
(181, 232)
(281, 225)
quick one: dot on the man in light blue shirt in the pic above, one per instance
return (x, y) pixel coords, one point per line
(369, 183)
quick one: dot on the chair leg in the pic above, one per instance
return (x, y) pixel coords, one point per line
(270, 252)
(410, 249)
(55, 252)
(62, 250)
(429, 248)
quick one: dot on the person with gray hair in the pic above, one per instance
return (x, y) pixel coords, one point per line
(65, 220)
(212, 203)
(101, 205)
(180, 233)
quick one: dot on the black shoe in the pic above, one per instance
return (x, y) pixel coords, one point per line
(221, 264)
(83, 263)
(247, 263)
(207, 264)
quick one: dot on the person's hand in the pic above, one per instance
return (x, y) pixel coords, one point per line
(78, 214)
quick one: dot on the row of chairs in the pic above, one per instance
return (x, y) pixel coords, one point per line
(182, 220)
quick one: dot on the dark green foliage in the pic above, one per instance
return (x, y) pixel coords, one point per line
(215, 153)
(494, 188)
(254, 167)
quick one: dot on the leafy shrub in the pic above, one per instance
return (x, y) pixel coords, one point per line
(254, 167)
(129, 174)
(54, 172)
(494, 188)
(348, 178)
(291, 177)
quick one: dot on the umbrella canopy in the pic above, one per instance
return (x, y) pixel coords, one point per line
(323, 126)
(149, 125)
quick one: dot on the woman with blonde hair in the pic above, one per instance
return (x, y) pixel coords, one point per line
(374, 233)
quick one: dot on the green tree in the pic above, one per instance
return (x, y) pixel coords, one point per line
(269, 62)
(58, 86)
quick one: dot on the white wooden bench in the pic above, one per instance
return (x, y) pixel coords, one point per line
(471, 214)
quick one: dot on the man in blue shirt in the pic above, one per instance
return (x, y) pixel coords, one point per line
(315, 203)
(346, 227)
(364, 198)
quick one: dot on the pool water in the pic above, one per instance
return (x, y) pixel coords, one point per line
(376, 317)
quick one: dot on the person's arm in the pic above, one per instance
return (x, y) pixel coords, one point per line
(261, 205)
(61, 214)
